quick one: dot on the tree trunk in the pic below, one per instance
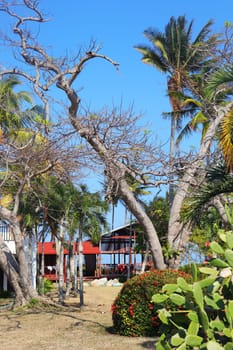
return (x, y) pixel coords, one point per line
(25, 283)
(117, 172)
(60, 269)
(145, 257)
(68, 269)
(80, 256)
(178, 231)
(10, 267)
(72, 265)
(216, 202)
(74, 274)
(171, 160)
(30, 252)
(26, 291)
(143, 219)
(61, 275)
(42, 265)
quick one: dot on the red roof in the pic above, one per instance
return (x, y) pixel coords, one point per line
(49, 248)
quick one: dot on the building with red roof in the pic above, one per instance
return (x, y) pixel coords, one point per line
(90, 253)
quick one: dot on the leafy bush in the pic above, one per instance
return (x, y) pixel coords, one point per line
(133, 314)
(200, 315)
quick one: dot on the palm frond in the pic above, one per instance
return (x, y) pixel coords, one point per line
(226, 139)
(218, 181)
(220, 79)
(149, 56)
(205, 31)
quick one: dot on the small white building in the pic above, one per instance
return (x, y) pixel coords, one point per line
(30, 252)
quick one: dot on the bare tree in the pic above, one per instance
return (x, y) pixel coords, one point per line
(124, 150)
(106, 136)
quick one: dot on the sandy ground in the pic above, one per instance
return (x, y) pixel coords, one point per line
(68, 328)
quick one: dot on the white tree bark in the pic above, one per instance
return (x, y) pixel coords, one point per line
(17, 274)
(60, 264)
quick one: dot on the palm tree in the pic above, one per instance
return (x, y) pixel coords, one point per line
(80, 212)
(218, 182)
(219, 178)
(221, 81)
(11, 105)
(175, 54)
(90, 212)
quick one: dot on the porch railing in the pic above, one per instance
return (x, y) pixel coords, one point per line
(6, 233)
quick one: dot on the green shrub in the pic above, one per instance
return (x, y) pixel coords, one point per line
(133, 314)
(199, 315)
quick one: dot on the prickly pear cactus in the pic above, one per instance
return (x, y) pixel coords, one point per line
(199, 315)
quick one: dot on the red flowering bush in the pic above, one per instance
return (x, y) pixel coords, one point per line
(133, 314)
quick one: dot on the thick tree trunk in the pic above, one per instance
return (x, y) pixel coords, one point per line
(10, 267)
(26, 284)
(117, 173)
(18, 277)
(143, 219)
(178, 232)
(30, 252)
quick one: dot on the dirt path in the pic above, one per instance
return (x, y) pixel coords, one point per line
(69, 328)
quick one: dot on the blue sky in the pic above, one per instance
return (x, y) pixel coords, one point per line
(118, 26)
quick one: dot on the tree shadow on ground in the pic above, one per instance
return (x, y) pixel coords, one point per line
(147, 344)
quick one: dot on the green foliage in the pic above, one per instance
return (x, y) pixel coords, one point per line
(133, 313)
(158, 211)
(189, 268)
(11, 115)
(48, 286)
(218, 181)
(199, 315)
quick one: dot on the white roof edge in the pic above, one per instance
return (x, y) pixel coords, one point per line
(118, 228)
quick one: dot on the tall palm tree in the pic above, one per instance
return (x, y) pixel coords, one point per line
(219, 181)
(216, 89)
(175, 54)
